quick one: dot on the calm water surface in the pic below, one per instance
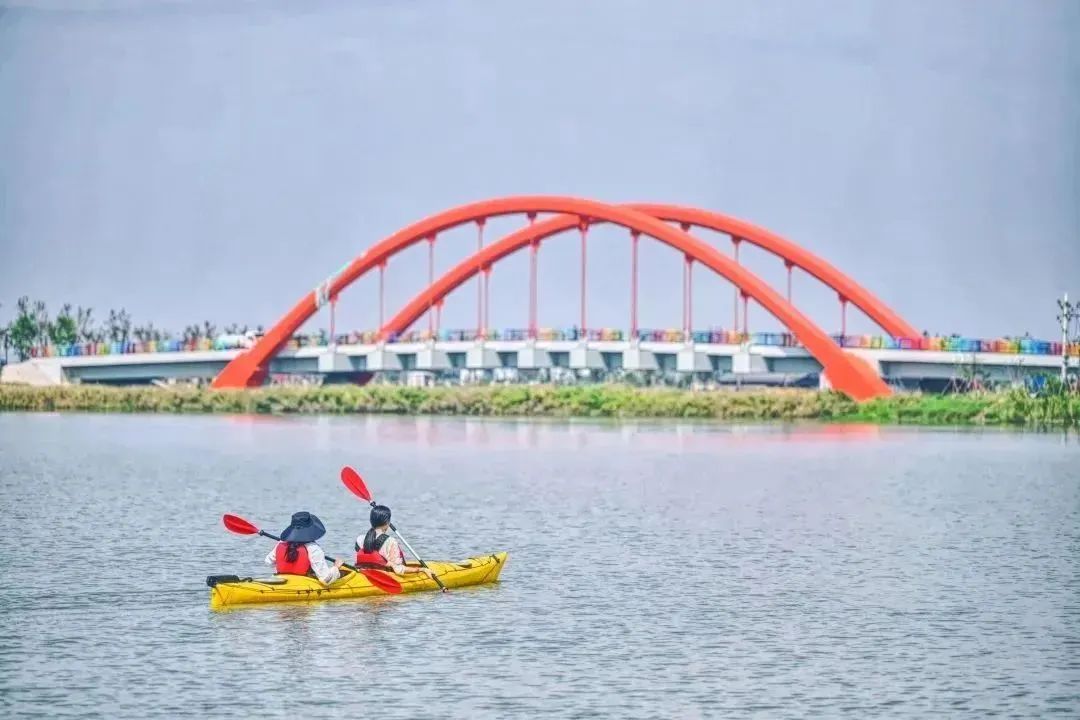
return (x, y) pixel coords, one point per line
(661, 571)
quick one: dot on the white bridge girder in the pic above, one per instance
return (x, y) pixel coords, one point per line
(526, 355)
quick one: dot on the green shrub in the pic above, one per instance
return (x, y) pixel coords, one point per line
(1055, 407)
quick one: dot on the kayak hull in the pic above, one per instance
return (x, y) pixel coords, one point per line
(479, 570)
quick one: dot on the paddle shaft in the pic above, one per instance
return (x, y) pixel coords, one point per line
(407, 545)
(420, 559)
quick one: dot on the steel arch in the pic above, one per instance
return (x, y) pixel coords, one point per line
(799, 257)
(845, 372)
(250, 368)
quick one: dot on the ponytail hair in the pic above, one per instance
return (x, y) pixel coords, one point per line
(292, 550)
(369, 541)
(380, 515)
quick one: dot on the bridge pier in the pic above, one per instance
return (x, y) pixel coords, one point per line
(744, 362)
(638, 360)
(481, 357)
(582, 357)
(531, 357)
(432, 359)
(333, 361)
(690, 360)
(379, 359)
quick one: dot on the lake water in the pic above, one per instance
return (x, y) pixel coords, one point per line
(655, 570)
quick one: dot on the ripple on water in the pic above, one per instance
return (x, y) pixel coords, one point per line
(654, 571)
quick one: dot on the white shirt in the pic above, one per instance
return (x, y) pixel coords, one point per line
(390, 551)
(323, 570)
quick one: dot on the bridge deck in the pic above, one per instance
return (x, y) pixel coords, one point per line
(527, 355)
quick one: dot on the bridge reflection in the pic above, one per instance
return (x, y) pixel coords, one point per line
(493, 434)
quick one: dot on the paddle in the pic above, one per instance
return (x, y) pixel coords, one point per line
(381, 580)
(355, 483)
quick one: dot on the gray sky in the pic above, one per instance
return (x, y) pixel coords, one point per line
(215, 160)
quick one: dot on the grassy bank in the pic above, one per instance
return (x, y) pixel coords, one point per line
(1014, 407)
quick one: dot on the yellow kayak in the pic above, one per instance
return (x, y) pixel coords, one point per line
(227, 591)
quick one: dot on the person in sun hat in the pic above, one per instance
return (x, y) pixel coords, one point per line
(299, 554)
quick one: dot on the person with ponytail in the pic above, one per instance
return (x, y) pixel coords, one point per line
(377, 547)
(299, 554)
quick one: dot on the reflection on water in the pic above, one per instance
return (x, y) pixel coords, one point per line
(657, 569)
(545, 434)
(427, 432)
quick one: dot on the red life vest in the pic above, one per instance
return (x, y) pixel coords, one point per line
(370, 558)
(300, 566)
(375, 557)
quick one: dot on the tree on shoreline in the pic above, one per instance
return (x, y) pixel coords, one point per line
(118, 326)
(64, 330)
(84, 325)
(41, 322)
(148, 333)
(23, 330)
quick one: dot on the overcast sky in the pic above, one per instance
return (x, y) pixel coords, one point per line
(216, 160)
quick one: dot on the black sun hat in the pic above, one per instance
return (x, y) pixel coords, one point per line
(304, 528)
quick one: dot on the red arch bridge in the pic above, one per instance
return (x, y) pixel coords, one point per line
(546, 217)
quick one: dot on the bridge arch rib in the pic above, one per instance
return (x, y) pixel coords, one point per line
(887, 319)
(799, 257)
(846, 373)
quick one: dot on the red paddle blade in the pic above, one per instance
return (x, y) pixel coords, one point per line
(355, 483)
(239, 525)
(382, 581)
